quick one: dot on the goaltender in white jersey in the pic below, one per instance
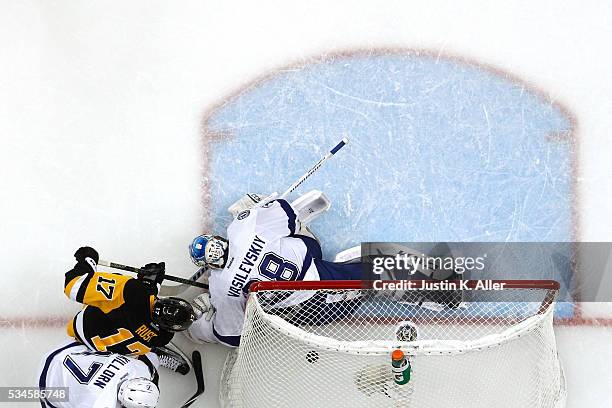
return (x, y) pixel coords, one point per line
(100, 379)
(264, 243)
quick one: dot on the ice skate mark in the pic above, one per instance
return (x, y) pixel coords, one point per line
(563, 136)
(208, 140)
(280, 82)
(438, 56)
(369, 101)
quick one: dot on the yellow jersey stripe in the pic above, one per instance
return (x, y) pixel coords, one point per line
(70, 328)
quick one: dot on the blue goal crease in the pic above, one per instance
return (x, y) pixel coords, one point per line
(439, 151)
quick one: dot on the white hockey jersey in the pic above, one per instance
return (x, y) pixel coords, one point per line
(263, 245)
(92, 377)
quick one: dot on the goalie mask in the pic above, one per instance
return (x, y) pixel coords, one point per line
(209, 251)
(173, 314)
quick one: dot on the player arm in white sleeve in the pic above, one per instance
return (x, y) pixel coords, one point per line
(276, 219)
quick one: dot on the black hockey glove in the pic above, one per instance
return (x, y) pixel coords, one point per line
(86, 252)
(153, 272)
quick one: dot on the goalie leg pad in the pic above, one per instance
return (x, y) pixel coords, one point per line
(349, 255)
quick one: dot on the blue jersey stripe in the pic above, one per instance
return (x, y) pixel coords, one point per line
(42, 382)
(290, 215)
(233, 341)
(313, 250)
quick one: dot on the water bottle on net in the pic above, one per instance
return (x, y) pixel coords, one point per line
(402, 372)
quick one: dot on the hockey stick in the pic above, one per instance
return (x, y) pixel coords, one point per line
(199, 376)
(174, 290)
(177, 289)
(314, 168)
(166, 277)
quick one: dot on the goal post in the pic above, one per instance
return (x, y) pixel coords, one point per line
(328, 343)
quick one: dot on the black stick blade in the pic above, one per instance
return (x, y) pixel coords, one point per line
(196, 357)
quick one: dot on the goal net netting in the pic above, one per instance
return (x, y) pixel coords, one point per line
(329, 344)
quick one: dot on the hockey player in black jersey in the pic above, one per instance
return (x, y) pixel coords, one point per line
(122, 314)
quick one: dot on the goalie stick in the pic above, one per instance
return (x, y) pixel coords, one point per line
(177, 289)
(314, 168)
(196, 358)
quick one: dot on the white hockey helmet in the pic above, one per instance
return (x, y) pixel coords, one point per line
(138, 393)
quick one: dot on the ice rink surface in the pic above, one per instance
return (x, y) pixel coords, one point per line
(131, 128)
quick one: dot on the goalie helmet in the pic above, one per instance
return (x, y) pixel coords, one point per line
(173, 314)
(209, 251)
(138, 393)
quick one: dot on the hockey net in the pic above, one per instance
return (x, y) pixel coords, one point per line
(328, 344)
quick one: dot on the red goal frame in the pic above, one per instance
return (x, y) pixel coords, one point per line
(550, 286)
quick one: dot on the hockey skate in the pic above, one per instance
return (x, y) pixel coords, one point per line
(171, 358)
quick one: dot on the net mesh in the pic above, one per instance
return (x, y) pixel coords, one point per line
(331, 347)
